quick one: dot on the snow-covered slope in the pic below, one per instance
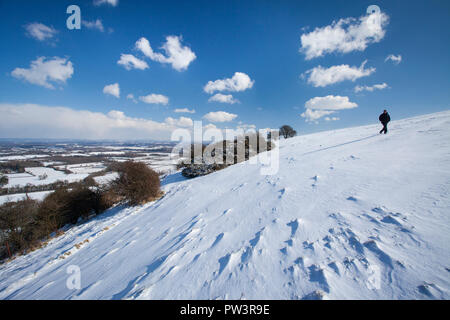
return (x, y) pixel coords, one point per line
(351, 214)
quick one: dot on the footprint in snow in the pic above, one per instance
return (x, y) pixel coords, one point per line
(315, 179)
(294, 226)
(239, 186)
(227, 211)
(391, 217)
(334, 267)
(391, 220)
(382, 256)
(371, 219)
(317, 274)
(327, 241)
(282, 192)
(289, 242)
(430, 290)
(308, 245)
(217, 240)
(383, 211)
(315, 295)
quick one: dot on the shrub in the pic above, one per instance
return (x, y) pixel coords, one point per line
(17, 221)
(197, 170)
(66, 206)
(89, 181)
(81, 201)
(113, 166)
(137, 183)
(24, 223)
(3, 181)
(287, 131)
(49, 215)
(249, 145)
(107, 198)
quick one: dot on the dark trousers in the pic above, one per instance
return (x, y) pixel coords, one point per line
(384, 128)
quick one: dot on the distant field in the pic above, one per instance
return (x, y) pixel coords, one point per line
(37, 166)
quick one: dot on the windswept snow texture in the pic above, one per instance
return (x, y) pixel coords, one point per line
(351, 214)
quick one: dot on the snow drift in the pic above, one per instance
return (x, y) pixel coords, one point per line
(351, 214)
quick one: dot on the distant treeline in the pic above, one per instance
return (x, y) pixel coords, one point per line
(18, 165)
(38, 188)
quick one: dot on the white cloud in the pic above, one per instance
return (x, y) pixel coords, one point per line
(245, 127)
(380, 86)
(224, 98)
(345, 35)
(175, 54)
(37, 121)
(128, 61)
(43, 70)
(330, 103)
(40, 31)
(314, 115)
(322, 77)
(113, 3)
(112, 89)
(181, 122)
(239, 82)
(209, 126)
(395, 59)
(155, 99)
(131, 97)
(331, 118)
(319, 107)
(97, 24)
(184, 110)
(220, 116)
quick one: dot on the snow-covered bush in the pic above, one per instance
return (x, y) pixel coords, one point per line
(287, 132)
(137, 183)
(196, 170)
(232, 152)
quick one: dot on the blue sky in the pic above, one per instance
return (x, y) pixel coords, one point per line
(281, 75)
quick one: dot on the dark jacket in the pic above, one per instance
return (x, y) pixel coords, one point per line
(384, 118)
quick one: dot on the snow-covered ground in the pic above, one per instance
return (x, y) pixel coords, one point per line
(106, 178)
(31, 176)
(22, 157)
(351, 214)
(20, 196)
(84, 168)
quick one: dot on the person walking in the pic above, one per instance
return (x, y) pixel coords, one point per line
(384, 119)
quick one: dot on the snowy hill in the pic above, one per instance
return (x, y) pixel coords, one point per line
(351, 214)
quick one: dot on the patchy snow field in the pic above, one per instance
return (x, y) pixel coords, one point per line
(84, 168)
(107, 178)
(31, 176)
(20, 196)
(351, 214)
(23, 157)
